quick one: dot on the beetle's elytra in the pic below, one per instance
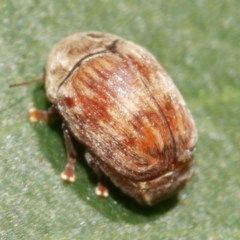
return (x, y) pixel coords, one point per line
(116, 99)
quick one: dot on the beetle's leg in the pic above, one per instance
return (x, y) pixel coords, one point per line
(100, 190)
(36, 115)
(68, 173)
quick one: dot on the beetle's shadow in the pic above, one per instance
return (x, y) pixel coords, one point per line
(118, 207)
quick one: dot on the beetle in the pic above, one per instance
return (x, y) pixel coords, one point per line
(115, 98)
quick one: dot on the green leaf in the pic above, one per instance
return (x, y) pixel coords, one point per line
(197, 42)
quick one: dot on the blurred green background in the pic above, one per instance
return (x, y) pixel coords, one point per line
(198, 43)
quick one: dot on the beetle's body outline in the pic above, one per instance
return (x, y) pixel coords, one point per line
(117, 100)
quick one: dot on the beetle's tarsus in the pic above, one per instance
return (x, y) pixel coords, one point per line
(68, 174)
(36, 115)
(101, 191)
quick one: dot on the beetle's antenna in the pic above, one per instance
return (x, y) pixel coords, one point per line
(24, 83)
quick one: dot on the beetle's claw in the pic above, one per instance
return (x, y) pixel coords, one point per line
(101, 191)
(68, 175)
(37, 115)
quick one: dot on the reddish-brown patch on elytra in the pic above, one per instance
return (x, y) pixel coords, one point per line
(70, 102)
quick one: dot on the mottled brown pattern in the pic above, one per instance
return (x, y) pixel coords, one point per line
(140, 125)
(123, 106)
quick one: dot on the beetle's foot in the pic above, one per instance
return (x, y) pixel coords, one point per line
(37, 115)
(101, 190)
(68, 174)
